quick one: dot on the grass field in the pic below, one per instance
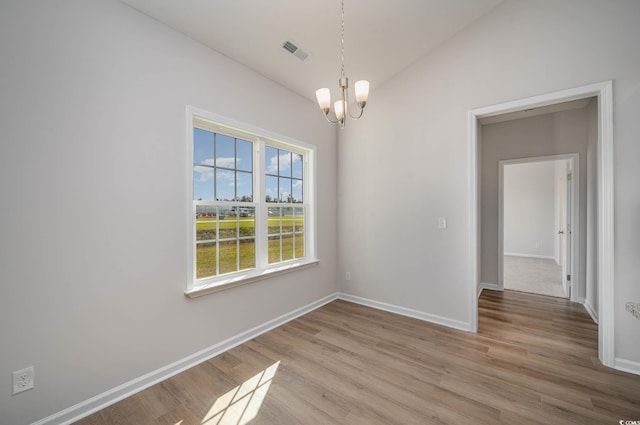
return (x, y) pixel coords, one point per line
(228, 227)
(243, 251)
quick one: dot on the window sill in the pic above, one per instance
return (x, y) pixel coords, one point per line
(249, 277)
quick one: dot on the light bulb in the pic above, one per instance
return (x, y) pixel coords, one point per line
(362, 91)
(324, 99)
(339, 109)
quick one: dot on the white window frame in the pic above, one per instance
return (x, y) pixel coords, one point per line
(260, 138)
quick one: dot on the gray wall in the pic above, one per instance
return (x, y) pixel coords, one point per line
(406, 163)
(551, 134)
(94, 203)
(529, 203)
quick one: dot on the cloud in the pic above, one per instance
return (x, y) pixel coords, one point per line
(285, 162)
(272, 168)
(203, 174)
(226, 162)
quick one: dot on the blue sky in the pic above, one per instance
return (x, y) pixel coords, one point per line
(233, 162)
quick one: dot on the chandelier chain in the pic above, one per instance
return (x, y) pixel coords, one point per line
(342, 42)
(341, 106)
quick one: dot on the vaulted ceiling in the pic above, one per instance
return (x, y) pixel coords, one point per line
(382, 37)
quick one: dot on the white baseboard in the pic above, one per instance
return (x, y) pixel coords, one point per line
(92, 405)
(518, 254)
(627, 366)
(403, 311)
(587, 306)
(491, 286)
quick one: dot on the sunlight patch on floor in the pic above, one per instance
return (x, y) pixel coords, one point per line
(242, 404)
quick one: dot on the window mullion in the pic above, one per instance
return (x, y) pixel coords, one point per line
(281, 210)
(238, 240)
(309, 213)
(215, 173)
(262, 220)
(217, 241)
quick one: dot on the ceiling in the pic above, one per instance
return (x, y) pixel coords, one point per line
(382, 37)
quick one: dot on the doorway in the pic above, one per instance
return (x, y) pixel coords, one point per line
(536, 221)
(604, 228)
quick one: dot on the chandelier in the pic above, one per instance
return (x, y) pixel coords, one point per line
(341, 107)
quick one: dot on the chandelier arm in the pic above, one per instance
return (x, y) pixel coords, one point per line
(355, 117)
(346, 105)
(330, 120)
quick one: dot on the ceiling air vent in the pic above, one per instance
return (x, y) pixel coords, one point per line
(296, 51)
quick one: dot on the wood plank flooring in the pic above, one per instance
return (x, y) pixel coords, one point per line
(533, 361)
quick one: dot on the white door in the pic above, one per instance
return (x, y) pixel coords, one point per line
(565, 208)
(568, 260)
(562, 225)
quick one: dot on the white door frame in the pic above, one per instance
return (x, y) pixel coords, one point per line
(604, 92)
(578, 280)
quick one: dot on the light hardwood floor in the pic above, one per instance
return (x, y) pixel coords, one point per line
(533, 361)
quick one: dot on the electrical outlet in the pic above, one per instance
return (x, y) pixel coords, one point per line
(347, 276)
(23, 380)
(442, 223)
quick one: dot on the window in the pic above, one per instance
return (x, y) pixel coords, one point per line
(252, 210)
(223, 173)
(284, 186)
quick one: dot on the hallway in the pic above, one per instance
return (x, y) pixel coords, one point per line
(534, 275)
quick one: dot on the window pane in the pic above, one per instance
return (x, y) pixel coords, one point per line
(228, 228)
(285, 190)
(274, 220)
(287, 222)
(274, 249)
(225, 185)
(228, 257)
(271, 160)
(202, 147)
(271, 186)
(203, 183)
(205, 222)
(284, 163)
(296, 190)
(299, 219)
(225, 151)
(202, 154)
(247, 254)
(205, 260)
(247, 221)
(298, 226)
(287, 247)
(244, 155)
(244, 186)
(296, 166)
(299, 242)
(205, 211)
